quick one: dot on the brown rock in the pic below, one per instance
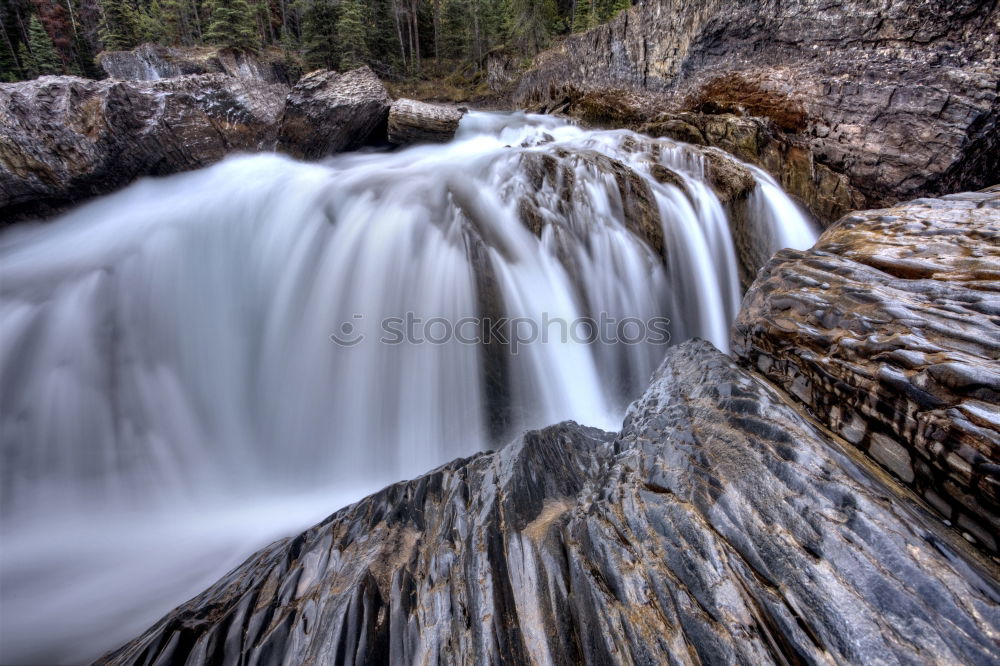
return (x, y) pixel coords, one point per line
(888, 331)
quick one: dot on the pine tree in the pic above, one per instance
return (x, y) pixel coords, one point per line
(319, 35)
(43, 51)
(232, 23)
(351, 34)
(28, 67)
(121, 27)
(585, 17)
(529, 23)
(152, 26)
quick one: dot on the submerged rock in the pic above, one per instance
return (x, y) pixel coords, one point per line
(901, 100)
(719, 526)
(328, 112)
(888, 331)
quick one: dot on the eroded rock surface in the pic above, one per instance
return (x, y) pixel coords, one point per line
(151, 62)
(719, 526)
(411, 121)
(901, 98)
(329, 111)
(888, 330)
(64, 139)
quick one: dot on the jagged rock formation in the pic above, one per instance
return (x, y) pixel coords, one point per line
(151, 62)
(888, 331)
(720, 526)
(901, 98)
(411, 121)
(63, 138)
(328, 112)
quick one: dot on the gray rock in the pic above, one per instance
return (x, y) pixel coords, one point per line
(328, 112)
(64, 139)
(151, 62)
(720, 526)
(411, 121)
(888, 331)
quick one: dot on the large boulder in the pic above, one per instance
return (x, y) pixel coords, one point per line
(901, 99)
(63, 138)
(720, 526)
(328, 112)
(888, 332)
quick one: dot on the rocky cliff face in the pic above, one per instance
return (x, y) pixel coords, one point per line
(151, 62)
(902, 98)
(719, 526)
(65, 139)
(888, 331)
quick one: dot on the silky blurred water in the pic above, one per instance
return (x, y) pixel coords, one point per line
(171, 396)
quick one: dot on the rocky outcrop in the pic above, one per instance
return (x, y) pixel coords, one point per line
(719, 526)
(328, 112)
(63, 139)
(888, 331)
(151, 62)
(902, 100)
(411, 121)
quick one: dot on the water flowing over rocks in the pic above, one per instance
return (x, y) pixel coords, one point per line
(151, 62)
(888, 331)
(719, 526)
(901, 99)
(63, 138)
(328, 112)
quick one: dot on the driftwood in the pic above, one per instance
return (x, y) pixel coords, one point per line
(411, 121)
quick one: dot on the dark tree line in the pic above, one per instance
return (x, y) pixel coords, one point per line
(397, 38)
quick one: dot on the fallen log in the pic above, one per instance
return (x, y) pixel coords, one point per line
(411, 121)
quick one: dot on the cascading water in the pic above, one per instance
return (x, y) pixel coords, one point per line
(199, 364)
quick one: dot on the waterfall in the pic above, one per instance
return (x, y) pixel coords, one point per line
(201, 363)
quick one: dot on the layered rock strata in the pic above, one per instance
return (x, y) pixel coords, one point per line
(719, 526)
(902, 99)
(888, 331)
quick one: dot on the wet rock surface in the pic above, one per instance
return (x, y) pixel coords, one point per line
(328, 112)
(899, 98)
(719, 526)
(888, 331)
(64, 139)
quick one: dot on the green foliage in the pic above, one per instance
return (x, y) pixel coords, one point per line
(152, 26)
(232, 23)
(351, 26)
(44, 59)
(319, 34)
(9, 68)
(121, 26)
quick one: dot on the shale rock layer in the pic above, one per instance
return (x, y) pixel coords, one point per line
(719, 526)
(888, 331)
